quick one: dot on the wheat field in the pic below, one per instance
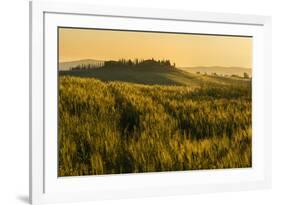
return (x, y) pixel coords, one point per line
(113, 127)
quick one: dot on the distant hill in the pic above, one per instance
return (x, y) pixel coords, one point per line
(70, 64)
(152, 72)
(219, 70)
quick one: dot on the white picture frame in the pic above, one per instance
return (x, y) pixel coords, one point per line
(46, 187)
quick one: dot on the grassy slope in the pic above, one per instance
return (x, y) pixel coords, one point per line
(152, 76)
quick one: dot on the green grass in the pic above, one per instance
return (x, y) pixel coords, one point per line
(179, 121)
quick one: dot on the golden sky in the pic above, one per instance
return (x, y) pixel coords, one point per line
(183, 49)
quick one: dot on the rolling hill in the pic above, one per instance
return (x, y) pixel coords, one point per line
(154, 75)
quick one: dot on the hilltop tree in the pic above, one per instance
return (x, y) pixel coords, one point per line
(246, 75)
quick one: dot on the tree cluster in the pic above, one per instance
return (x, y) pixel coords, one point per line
(128, 63)
(137, 62)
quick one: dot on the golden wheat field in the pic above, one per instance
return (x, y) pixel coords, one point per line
(113, 127)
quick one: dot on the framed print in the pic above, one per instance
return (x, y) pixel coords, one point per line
(129, 102)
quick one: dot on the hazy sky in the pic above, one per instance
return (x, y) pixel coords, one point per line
(183, 49)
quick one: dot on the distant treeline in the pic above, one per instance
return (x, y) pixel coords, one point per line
(245, 75)
(129, 64)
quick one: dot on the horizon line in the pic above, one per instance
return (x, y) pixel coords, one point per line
(191, 66)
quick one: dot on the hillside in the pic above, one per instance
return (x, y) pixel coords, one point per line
(154, 75)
